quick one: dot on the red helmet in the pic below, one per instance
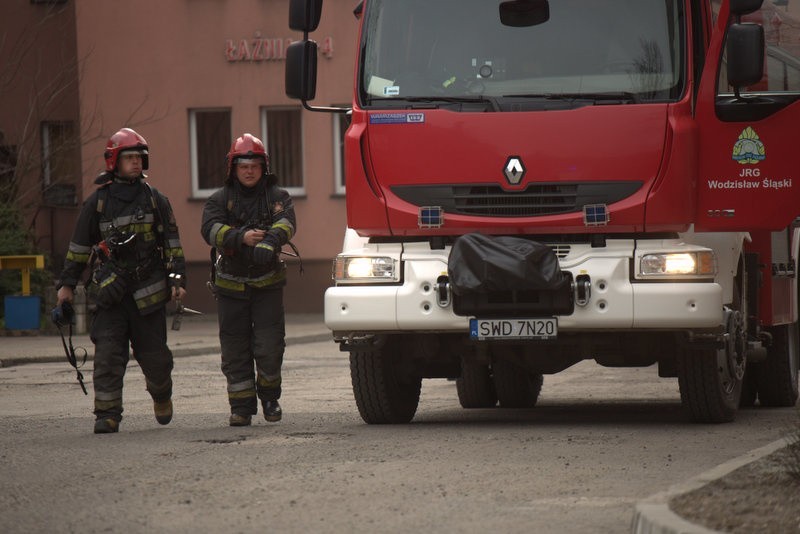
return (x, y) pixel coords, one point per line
(250, 147)
(125, 140)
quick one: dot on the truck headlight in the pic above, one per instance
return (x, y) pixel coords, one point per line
(365, 269)
(697, 264)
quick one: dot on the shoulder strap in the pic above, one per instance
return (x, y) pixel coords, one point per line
(156, 205)
(161, 221)
(228, 200)
(102, 198)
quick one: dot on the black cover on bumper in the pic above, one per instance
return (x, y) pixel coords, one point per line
(507, 276)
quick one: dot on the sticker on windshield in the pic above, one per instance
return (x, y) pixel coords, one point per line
(392, 90)
(397, 118)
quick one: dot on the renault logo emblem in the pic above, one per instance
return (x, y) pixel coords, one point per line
(514, 170)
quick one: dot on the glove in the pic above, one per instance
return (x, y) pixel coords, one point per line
(263, 254)
(107, 287)
(64, 314)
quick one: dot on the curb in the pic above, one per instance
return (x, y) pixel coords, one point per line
(653, 514)
(176, 352)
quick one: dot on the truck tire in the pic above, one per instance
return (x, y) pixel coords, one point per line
(710, 389)
(516, 387)
(383, 395)
(777, 375)
(475, 386)
(711, 379)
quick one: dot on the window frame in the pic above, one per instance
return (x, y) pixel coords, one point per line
(59, 189)
(194, 171)
(339, 178)
(295, 191)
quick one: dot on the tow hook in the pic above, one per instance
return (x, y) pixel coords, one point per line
(443, 291)
(583, 289)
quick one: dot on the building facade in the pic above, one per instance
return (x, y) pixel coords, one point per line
(190, 76)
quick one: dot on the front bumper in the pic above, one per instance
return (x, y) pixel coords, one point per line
(616, 302)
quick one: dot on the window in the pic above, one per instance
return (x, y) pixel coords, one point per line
(60, 163)
(341, 121)
(210, 141)
(282, 132)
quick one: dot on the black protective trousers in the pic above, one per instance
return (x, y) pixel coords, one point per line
(252, 337)
(113, 331)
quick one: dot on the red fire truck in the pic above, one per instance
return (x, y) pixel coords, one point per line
(534, 183)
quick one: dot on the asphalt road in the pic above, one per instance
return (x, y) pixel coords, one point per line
(598, 441)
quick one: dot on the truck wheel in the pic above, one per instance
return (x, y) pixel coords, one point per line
(711, 380)
(475, 386)
(710, 390)
(516, 387)
(382, 393)
(777, 375)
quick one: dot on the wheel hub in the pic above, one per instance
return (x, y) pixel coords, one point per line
(735, 348)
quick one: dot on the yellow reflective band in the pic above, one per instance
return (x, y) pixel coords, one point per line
(77, 258)
(286, 228)
(267, 383)
(238, 284)
(242, 394)
(107, 405)
(229, 284)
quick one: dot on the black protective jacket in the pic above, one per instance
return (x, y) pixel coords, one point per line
(231, 211)
(116, 211)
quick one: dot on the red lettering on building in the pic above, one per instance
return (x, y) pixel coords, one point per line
(243, 51)
(257, 46)
(268, 49)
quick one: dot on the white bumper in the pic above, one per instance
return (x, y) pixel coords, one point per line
(615, 303)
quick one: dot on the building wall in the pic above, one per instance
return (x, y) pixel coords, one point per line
(38, 82)
(147, 63)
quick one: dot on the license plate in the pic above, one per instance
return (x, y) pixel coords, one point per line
(488, 329)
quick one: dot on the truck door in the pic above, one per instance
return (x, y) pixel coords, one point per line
(749, 160)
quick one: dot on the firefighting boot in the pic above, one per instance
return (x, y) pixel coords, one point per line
(163, 411)
(106, 426)
(272, 411)
(239, 420)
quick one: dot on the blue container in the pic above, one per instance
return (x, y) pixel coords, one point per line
(22, 313)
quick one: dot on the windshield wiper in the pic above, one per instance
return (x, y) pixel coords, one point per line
(477, 99)
(625, 96)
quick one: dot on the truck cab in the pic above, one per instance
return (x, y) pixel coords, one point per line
(532, 183)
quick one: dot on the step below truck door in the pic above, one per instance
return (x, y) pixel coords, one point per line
(749, 170)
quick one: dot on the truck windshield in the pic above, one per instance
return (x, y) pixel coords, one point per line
(426, 51)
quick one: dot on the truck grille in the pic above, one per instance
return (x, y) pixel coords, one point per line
(538, 199)
(492, 201)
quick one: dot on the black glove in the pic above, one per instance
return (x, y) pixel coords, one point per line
(264, 253)
(107, 287)
(64, 314)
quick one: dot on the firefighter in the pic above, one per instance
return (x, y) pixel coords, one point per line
(126, 232)
(246, 222)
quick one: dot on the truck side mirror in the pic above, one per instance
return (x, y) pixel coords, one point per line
(304, 15)
(743, 7)
(524, 13)
(301, 70)
(745, 53)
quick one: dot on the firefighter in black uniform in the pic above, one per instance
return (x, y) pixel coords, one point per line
(127, 234)
(246, 222)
